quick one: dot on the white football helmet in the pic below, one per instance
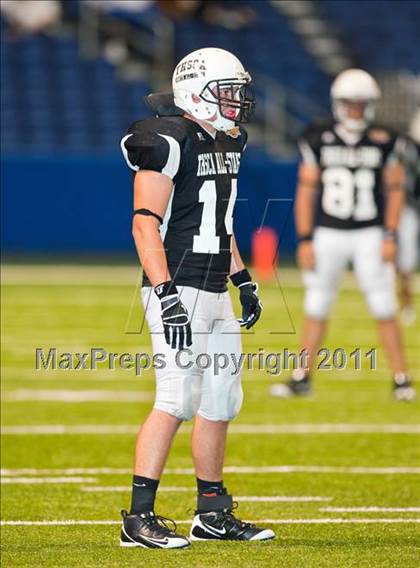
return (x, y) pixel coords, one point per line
(354, 86)
(414, 130)
(212, 85)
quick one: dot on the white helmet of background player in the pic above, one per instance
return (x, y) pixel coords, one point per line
(414, 129)
(212, 85)
(357, 87)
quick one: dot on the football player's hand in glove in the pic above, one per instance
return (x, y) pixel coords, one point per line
(175, 317)
(251, 305)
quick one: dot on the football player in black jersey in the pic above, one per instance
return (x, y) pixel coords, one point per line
(409, 227)
(186, 161)
(349, 198)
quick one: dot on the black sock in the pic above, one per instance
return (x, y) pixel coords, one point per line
(212, 497)
(143, 495)
(210, 488)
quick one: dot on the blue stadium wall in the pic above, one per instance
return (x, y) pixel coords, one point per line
(83, 204)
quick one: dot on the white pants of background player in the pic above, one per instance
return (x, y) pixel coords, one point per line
(408, 240)
(334, 249)
(184, 392)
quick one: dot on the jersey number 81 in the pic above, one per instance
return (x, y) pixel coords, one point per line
(349, 194)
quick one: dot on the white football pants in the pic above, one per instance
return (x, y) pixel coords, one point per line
(408, 240)
(334, 250)
(190, 382)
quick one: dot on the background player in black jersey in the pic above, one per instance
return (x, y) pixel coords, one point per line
(409, 226)
(186, 162)
(349, 198)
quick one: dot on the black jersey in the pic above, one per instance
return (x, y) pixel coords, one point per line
(351, 190)
(409, 152)
(197, 226)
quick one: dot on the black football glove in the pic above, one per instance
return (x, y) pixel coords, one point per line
(175, 317)
(251, 305)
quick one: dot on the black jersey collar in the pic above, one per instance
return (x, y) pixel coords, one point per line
(162, 104)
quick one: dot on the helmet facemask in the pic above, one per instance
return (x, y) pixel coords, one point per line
(345, 112)
(233, 97)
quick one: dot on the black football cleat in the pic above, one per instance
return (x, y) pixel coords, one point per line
(147, 530)
(223, 525)
(402, 388)
(298, 385)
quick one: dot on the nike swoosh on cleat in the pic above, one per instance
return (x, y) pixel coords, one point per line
(216, 531)
(145, 539)
(157, 540)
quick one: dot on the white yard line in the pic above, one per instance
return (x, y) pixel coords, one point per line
(103, 429)
(125, 489)
(370, 509)
(358, 470)
(52, 395)
(69, 275)
(280, 499)
(17, 373)
(67, 471)
(335, 521)
(46, 480)
(310, 469)
(324, 428)
(123, 275)
(321, 521)
(61, 429)
(243, 498)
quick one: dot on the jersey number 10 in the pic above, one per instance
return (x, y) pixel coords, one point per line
(207, 241)
(349, 194)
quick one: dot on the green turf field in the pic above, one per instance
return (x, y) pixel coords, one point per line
(344, 466)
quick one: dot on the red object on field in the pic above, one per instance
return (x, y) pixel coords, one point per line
(264, 252)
